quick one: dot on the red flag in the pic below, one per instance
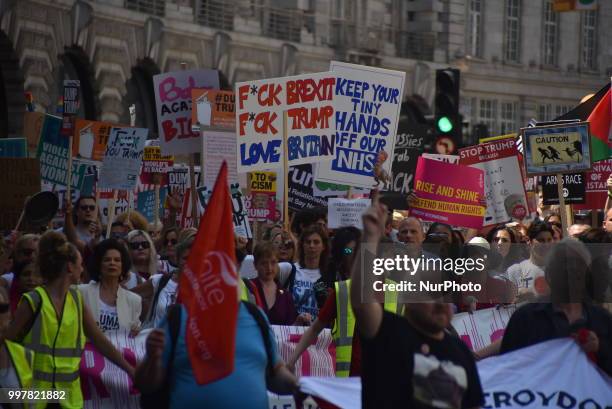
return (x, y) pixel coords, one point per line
(601, 119)
(208, 289)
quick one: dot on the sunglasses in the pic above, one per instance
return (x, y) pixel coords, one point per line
(4, 308)
(86, 208)
(171, 241)
(286, 245)
(118, 235)
(140, 245)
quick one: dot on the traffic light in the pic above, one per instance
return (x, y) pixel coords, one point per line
(447, 120)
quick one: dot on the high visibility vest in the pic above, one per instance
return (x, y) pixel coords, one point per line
(57, 344)
(22, 360)
(344, 326)
(246, 294)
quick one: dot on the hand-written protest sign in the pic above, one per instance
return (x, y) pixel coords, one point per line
(218, 147)
(53, 156)
(90, 139)
(596, 189)
(173, 102)
(504, 187)
(557, 149)
(213, 108)
(573, 189)
(307, 100)
(367, 103)
(154, 163)
(301, 195)
(19, 178)
(449, 194)
(346, 212)
(261, 200)
(239, 210)
(123, 158)
(482, 327)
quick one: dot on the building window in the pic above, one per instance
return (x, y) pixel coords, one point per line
(589, 35)
(551, 19)
(549, 111)
(155, 7)
(216, 14)
(487, 115)
(508, 118)
(474, 45)
(513, 27)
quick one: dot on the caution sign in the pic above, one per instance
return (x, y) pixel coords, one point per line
(557, 149)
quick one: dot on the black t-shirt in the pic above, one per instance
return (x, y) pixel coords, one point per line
(402, 368)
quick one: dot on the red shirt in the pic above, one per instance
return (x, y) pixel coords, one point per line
(327, 315)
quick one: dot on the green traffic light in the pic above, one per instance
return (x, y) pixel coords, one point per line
(445, 125)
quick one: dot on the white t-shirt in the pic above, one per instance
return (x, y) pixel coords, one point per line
(303, 287)
(132, 281)
(524, 275)
(247, 268)
(167, 297)
(108, 319)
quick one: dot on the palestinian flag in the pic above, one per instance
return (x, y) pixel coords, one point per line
(598, 111)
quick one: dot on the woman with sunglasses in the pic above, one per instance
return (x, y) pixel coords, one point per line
(53, 319)
(286, 245)
(113, 306)
(143, 257)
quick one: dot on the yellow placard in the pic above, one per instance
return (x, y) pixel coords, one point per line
(497, 138)
(154, 153)
(556, 148)
(262, 182)
(456, 208)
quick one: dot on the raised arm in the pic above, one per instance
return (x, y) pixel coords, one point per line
(309, 336)
(368, 313)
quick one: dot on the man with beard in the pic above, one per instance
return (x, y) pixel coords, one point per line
(528, 275)
(408, 361)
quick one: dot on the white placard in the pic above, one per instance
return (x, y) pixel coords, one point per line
(346, 212)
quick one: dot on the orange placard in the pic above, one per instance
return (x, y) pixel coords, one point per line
(90, 138)
(213, 108)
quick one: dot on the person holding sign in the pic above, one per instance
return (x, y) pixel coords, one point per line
(54, 318)
(409, 360)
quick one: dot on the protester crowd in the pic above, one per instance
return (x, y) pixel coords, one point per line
(59, 288)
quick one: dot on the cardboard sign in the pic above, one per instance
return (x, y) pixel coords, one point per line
(19, 178)
(574, 189)
(32, 129)
(367, 102)
(178, 182)
(123, 158)
(301, 195)
(155, 166)
(346, 212)
(218, 147)
(449, 194)
(306, 100)
(53, 156)
(504, 186)
(145, 203)
(13, 148)
(557, 149)
(90, 139)
(596, 189)
(261, 200)
(173, 102)
(239, 210)
(214, 108)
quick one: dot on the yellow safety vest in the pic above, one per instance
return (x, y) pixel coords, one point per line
(57, 345)
(245, 294)
(22, 360)
(344, 326)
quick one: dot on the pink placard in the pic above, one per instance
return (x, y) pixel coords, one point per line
(449, 193)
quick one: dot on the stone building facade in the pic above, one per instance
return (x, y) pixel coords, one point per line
(518, 59)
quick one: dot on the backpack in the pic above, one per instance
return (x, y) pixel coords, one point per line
(160, 399)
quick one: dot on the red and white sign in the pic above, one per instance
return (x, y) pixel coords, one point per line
(596, 189)
(482, 327)
(504, 186)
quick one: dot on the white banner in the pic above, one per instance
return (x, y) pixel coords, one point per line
(123, 158)
(554, 374)
(318, 360)
(482, 327)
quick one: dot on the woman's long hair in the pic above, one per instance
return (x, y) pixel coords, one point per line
(152, 252)
(309, 231)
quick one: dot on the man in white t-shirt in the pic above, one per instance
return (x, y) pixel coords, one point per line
(528, 275)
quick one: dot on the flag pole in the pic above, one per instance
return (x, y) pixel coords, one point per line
(192, 184)
(562, 209)
(286, 174)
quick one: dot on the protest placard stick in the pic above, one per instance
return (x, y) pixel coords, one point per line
(192, 184)
(286, 174)
(111, 213)
(561, 202)
(130, 200)
(156, 210)
(69, 175)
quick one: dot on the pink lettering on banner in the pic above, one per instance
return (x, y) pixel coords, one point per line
(170, 92)
(92, 375)
(468, 341)
(497, 334)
